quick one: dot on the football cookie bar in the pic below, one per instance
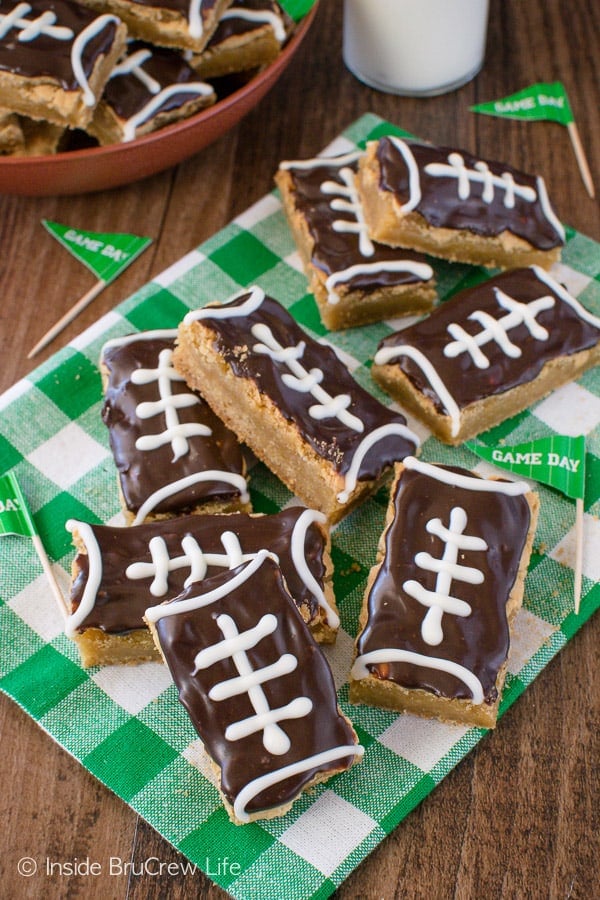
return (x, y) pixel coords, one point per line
(488, 353)
(250, 34)
(292, 401)
(435, 626)
(183, 24)
(256, 687)
(118, 572)
(173, 455)
(55, 59)
(355, 281)
(453, 205)
(148, 88)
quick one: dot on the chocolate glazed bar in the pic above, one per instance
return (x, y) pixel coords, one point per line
(55, 58)
(355, 280)
(118, 571)
(439, 603)
(257, 688)
(292, 401)
(172, 453)
(250, 34)
(148, 88)
(488, 353)
(183, 24)
(451, 204)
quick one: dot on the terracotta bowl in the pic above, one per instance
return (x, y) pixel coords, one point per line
(100, 168)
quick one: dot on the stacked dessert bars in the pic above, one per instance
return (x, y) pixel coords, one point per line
(237, 604)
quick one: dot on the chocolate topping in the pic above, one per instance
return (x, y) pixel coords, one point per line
(127, 94)
(479, 641)
(442, 207)
(121, 601)
(329, 437)
(142, 472)
(46, 56)
(183, 636)
(567, 333)
(335, 251)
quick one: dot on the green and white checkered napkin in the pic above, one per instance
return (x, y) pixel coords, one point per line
(125, 724)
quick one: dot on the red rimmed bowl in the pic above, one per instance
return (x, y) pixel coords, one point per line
(101, 168)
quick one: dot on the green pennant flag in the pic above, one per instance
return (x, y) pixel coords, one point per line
(297, 9)
(543, 101)
(106, 255)
(558, 461)
(15, 517)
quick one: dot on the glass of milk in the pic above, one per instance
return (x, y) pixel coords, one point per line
(415, 47)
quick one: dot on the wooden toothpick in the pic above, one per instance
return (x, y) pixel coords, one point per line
(47, 567)
(67, 318)
(581, 158)
(578, 553)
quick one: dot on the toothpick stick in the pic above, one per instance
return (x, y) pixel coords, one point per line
(47, 567)
(67, 318)
(578, 553)
(581, 158)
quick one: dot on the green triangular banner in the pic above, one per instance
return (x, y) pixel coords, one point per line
(297, 9)
(106, 255)
(542, 101)
(15, 517)
(558, 461)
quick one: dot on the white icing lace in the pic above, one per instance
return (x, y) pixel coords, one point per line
(346, 200)
(234, 647)
(193, 557)
(496, 330)
(303, 381)
(31, 29)
(480, 174)
(176, 433)
(448, 570)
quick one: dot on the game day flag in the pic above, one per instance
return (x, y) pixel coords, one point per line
(297, 8)
(558, 461)
(16, 519)
(542, 102)
(539, 102)
(106, 255)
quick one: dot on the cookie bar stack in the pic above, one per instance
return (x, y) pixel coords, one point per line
(434, 630)
(118, 69)
(237, 604)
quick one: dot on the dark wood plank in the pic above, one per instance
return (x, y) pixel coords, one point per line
(519, 816)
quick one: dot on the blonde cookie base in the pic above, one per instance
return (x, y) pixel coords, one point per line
(240, 53)
(159, 25)
(98, 648)
(489, 412)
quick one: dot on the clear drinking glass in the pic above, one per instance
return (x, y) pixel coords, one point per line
(417, 48)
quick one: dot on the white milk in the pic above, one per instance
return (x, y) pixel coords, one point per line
(416, 47)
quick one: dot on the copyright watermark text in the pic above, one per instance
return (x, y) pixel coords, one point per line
(152, 867)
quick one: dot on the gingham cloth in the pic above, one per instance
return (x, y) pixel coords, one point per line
(125, 724)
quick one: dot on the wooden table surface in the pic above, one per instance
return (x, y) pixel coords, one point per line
(519, 817)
